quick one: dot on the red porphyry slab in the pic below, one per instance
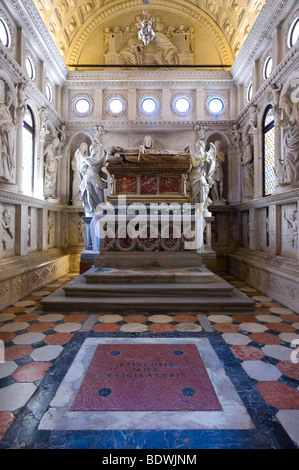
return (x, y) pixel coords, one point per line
(135, 377)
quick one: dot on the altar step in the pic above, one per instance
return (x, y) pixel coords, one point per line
(214, 293)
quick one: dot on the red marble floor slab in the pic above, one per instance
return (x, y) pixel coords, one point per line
(143, 377)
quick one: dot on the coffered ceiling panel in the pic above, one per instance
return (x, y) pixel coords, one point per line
(191, 32)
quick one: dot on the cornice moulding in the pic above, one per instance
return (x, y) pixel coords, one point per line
(286, 197)
(286, 67)
(272, 13)
(140, 125)
(35, 29)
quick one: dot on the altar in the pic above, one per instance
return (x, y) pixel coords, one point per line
(148, 239)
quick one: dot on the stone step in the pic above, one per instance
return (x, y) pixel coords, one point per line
(58, 301)
(117, 290)
(101, 275)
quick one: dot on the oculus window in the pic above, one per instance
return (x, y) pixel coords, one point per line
(149, 105)
(82, 106)
(182, 105)
(116, 106)
(215, 106)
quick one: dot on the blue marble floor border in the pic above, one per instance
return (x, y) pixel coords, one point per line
(269, 434)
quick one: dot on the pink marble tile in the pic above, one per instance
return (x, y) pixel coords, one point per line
(6, 420)
(31, 372)
(279, 395)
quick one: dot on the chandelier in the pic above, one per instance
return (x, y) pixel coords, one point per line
(146, 32)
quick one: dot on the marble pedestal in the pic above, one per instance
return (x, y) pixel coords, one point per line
(148, 273)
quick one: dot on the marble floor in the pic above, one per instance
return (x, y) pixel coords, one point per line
(250, 358)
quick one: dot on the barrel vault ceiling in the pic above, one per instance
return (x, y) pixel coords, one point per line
(219, 27)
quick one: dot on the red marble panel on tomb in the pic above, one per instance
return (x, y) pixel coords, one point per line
(126, 185)
(146, 377)
(169, 184)
(148, 185)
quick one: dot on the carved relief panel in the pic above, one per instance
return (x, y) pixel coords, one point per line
(7, 247)
(289, 230)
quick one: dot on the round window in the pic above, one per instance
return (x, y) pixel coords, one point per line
(116, 106)
(4, 33)
(149, 105)
(82, 106)
(268, 67)
(216, 105)
(182, 105)
(30, 67)
(293, 33)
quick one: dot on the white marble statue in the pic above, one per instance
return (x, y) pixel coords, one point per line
(76, 192)
(247, 168)
(7, 141)
(51, 159)
(133, 51)
(201, 174)
(291, 141)
(93, 179)
(165, 51)
(217, 191)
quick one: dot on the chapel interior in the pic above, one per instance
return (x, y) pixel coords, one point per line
(142, 88)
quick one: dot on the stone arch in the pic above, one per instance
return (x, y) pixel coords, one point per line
(188, 11)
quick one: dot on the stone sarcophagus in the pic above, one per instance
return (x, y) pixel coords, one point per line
(148, 175)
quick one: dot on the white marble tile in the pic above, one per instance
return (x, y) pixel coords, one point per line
(269, 318)
(289, 337)
(50, 317)
(6, 316)
(289, 419)
(7, 368)
(279, 352)
(281, 310)
(110, 318)
(59, 416)
(237, 339)
(14, 326)
(67, 327)
(220, 318)
(253, 327)
(188, 327)
(260, 370)
(28, 338)
(15, 396)
(160, 318)
(46, 353)
(24, 303)
(133, 328)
